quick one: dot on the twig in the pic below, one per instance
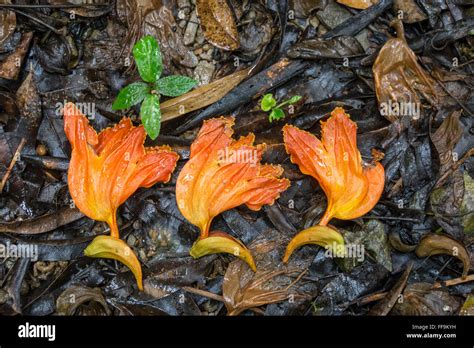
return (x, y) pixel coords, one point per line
(204, 293)
(15, 158)
(37, 20)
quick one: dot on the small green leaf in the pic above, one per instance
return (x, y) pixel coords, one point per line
(131, 95)
(268, 102)
(148, 58)
(294, 99)
(174, 86)
(150, 115)
(276, 114)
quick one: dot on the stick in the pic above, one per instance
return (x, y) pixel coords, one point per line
(15, 158)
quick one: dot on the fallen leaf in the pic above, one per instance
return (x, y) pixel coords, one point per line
(399, 79)
(218, 24)
(7, 22)
(11, 66)
(74, 297)
(358, 4)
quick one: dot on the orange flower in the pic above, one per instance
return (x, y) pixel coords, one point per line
(222, 174)
(107, 168)
(351, 186)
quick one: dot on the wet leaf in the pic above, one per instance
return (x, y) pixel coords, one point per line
(81, 300)
(359, 4)
(338, 47)
(7, 23)
(58, 54)
(399, 79)
(422, 299)
(445, 139)
(268, 102)
(133, 94)
(467, 207)
(218, 24)
(150, 114)
(410, 10)
(436, 244)
(11, 66)
(201, 96)
(174, 86)
(148, 58)
(468, 306)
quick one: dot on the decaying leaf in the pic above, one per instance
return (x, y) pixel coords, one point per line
(436, 244)
(338, 47)
(101, 7)
(221, 174)
(243, 289)
(422, 299)
(81, 300)
(218, 24)
(11, 66)
(410, 11)
(359, 4)
(468, 306)
(106, 168)
(445, 139)
(201, 96)
(399, 78)
(7, 23)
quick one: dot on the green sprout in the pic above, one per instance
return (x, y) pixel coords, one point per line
(269, 103)
(147, 56)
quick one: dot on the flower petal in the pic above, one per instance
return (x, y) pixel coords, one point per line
(113, 248)
(320, 235)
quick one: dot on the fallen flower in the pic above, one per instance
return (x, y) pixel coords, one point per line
(221, 174)
(351, 186)
(107, 168)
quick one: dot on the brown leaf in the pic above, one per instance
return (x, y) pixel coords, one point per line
(81, 300)
(445, 139)
(410, 10)
(399, 78)
(7, 22)
(243, 289)
(11, 66)
(202, 96)
(218, 24)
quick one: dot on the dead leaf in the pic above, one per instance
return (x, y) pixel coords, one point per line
(338, 47)
(399, 78)
(410, 10)
(8, 22)
(358, 4)
(243, 289)
(11, 66)
(218, 24)
(445, 139)
(81, 300)
(202, 96)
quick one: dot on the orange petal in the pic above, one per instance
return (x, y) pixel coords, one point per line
(108, 168)
(222, 174)
(335, 162)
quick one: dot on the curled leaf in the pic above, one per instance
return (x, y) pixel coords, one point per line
(436, 244)
(399, 79)
(324, 236)
(219, 242)
(351, 186)
(108, 247)
(87, 301)
(218, 24)
(107, 168)
(223, 173)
